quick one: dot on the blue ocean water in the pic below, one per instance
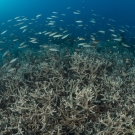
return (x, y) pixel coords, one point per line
(101, 19)
(121, 11)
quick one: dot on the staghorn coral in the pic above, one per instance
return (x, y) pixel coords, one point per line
(74, 94)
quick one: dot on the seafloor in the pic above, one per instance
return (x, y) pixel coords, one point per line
(86, 91)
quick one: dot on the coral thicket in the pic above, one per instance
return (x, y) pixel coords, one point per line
(62, 93)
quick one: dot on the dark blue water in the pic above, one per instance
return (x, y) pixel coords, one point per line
(121, 11)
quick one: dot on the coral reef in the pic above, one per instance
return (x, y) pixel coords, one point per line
(57, 93)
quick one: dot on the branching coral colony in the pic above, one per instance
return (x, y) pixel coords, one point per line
(84, 93)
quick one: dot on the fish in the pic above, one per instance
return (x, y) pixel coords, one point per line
(1, 42)
(1, 49)
(15, 40)
(86, 46)
(22, 43)
(9, 20)
(63, 14)
(92, 20)
(68, 7)
(54, 16)
(80, 25)
(55, 12)
(19, 20)
(79, 21)
(95, 41)
(53, 50)
(111, 20)
(52, 34)
(38, 15)
(24, 30)
(6, 64)
(17, 17)
(18, 24)
(121, 30)
(33, 38)
(117, 39)
(81, 38)
(114, 35)
(34, 42)
(49, 18)
(65, 31)
(24, 27)
(38, 33)
(56, 36)
(13, 60)
(81, 44)
(3, 32)
(44, 46)
(6, 53)
(94, 14)
(111, 30)
(11, 70)
(101, 31)
(125, 45)
(47, 33)
(76, 13)
(51, 23)
(23, 46)
(65, 36)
